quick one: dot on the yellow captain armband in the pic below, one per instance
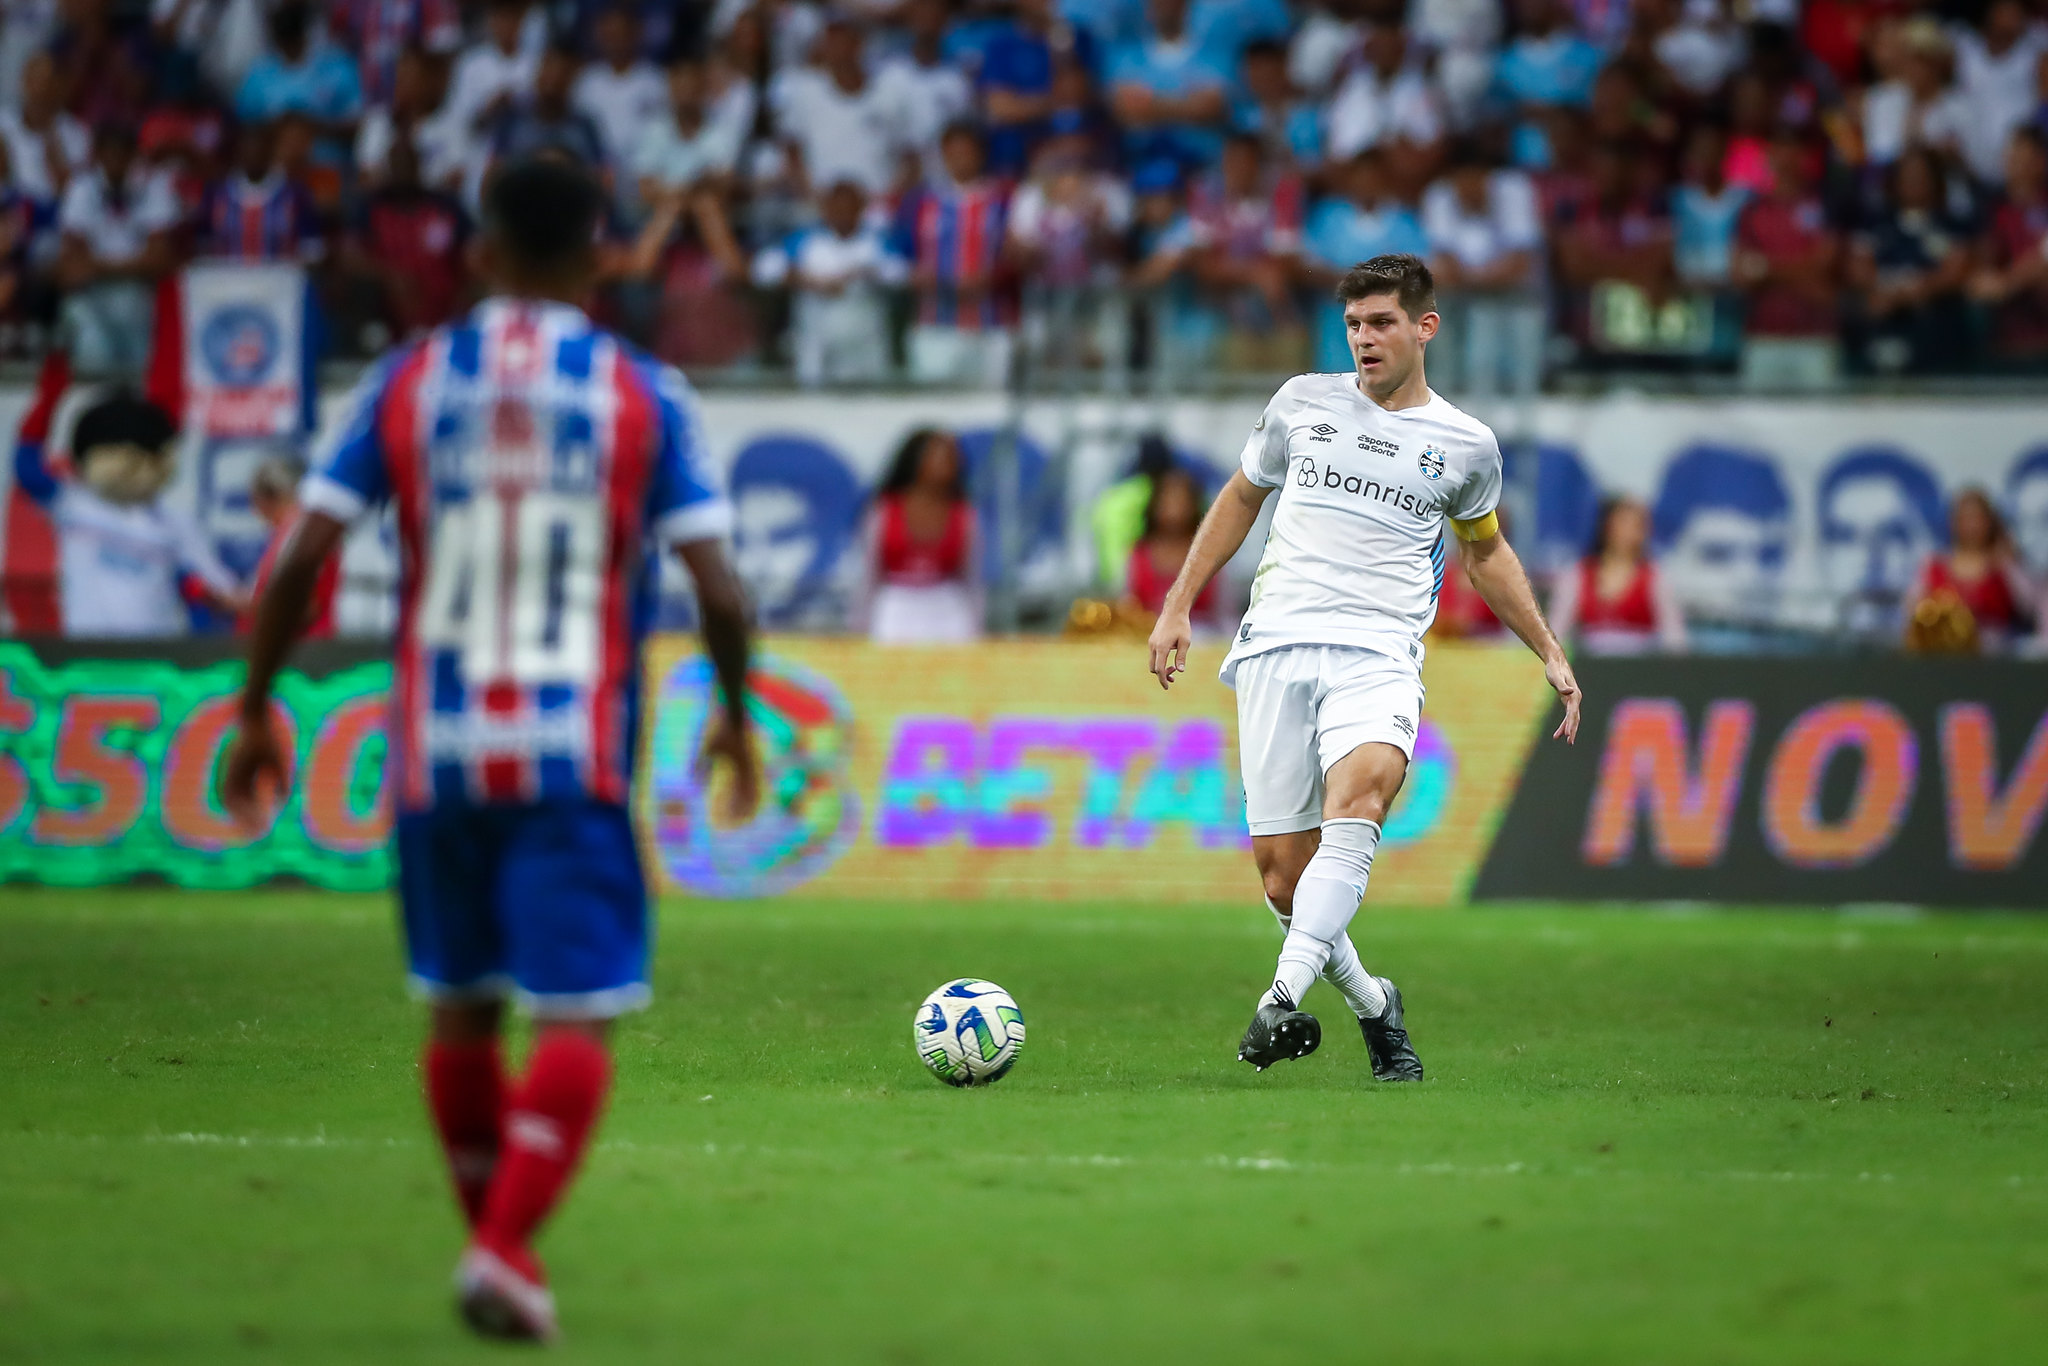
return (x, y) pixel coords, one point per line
(1478, 529)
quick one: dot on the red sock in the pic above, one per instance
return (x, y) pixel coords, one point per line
(547, 1121)
(466, 1092)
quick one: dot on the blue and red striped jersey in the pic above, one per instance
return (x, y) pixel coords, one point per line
(533, 461)
(272, 219)
(955, 233)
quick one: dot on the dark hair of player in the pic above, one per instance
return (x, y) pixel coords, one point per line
(1401, 274)
(122, 418)
(541, 214)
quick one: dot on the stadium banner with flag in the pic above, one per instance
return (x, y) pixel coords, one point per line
(1797, 782)
(1021, 768)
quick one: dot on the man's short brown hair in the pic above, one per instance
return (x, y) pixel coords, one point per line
(1401, 274)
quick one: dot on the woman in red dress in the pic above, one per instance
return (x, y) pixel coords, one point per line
(1613, 602)
(923, 548)
(1172, 513)
(1980, 571)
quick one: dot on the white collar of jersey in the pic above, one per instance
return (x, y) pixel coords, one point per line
(543, 312)
(1416, 410)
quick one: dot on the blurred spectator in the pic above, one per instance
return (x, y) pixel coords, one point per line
(788, 29)
(1692, 41)
(1614, 247)
(1705, 209)
(45, 144)
(1116, 522)
(381, 32)
(548, 120)
(407, 242)
(1461, 36)
(1485, 249)
(1066, 230)
(274, 496)
(1751, 126)
(1361, 220)
(1613, 602)
(834, 122)
(124, 555)
(1169, 95)
(1289, 128)
(923, 550)
(1223, 28)
(622, 92)
(490, 78)
(17, 227)
(1980, 573)
(1788, 260)
(300, 76)
(25, 29)
(1329, 32)
(1015, 80)
(1248, 221)
(955, 234)
(839, 272)
(683, 148)
(1165, 244)
(104, 59)
(924, 92)
(1546, 64)
(1910, 266)
(1995, 72)
(184, 135)
(1386, 102)
(1172, 513)
(418, 113)
(1913, 103)
(257, 213)
(2013, 275)
(115, 232)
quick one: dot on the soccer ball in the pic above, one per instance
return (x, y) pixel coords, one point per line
(968, 1032)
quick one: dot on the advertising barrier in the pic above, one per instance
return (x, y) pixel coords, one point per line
(1789, 781)
(1026, 768)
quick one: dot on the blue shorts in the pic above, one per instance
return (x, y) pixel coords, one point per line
(543, 900)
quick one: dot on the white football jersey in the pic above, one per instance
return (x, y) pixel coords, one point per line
(120, 564)
(1357, 550)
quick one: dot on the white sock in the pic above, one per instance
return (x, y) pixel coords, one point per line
(1344, 971)
(1325, 900)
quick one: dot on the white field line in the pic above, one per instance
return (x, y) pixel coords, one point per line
(1218, 1161)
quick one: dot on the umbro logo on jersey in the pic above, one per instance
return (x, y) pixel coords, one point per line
(1407, 726)
(1244, 632)
(1323, 431)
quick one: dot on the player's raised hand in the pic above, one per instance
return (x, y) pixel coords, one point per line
(255, 776)
(1558, 671)
(733, 744)
(1171, 636)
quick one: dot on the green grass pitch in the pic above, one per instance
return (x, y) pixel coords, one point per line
(1646, 1138)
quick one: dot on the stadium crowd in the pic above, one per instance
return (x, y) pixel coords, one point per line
(1791, 188)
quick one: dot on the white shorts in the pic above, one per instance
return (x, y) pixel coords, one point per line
(1300, 709)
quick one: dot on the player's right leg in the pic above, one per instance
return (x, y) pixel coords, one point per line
(1283, 793)
(573, 909)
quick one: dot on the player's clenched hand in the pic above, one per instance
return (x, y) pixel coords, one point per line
(1559, 672)
(733, 743)
(1171, 637)
(255, 772)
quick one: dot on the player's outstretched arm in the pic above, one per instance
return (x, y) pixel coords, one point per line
(1496, 571)
(728, 640)
(1228, 522)
(257, 759)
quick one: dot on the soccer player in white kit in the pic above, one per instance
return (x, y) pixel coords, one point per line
(1376, 474)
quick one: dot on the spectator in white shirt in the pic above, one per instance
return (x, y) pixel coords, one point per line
(622, 92)
(1328, 35)
(419, 112)
(115, 243)
(1461, 36)
(1385, 101)
(1485, 238)
(1915, 106)
(683, 148)
(1995, 75)
(839, 272)
(835, 123)
(491, 77)
(924, 92)
(45, 145)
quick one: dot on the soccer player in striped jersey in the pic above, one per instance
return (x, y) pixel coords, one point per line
(538, 465)
(1372, 472)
